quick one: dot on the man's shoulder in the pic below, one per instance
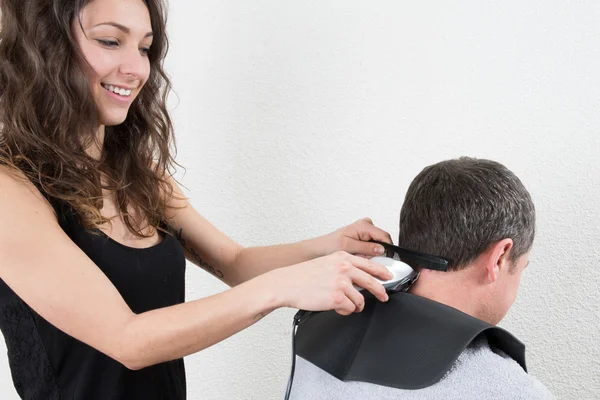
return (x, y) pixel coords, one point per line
(479, 373)
(482, 368)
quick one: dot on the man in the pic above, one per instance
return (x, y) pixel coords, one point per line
(479, 215)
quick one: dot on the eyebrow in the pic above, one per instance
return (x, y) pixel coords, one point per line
(121, 28)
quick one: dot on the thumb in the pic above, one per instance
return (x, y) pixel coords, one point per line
(368, 249)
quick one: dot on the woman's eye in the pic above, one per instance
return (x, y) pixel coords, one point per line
(145, 50)
(108, 43)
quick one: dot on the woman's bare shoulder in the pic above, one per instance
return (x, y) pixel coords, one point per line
(17, 192)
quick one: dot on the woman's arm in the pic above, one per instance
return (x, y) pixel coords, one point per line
(55, 278)
(212, 250)
(353, 239)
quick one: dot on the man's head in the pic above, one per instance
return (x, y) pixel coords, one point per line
(477, 214)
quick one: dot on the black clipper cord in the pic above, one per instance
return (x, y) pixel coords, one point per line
(300, 316)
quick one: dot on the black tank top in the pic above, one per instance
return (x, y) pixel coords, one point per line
(47, 364)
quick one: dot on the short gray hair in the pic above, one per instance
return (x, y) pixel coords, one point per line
(457, 208)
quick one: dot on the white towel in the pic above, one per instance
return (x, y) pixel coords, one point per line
(479, 373)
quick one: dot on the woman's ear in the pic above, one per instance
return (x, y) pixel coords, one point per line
(498, 258)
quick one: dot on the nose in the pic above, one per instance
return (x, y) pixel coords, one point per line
(135, 65)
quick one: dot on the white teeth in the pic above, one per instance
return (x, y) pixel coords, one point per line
(117, 90)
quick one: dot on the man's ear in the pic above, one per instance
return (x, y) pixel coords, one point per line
(498, 258)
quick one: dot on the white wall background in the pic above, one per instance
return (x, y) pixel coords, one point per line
(296, 118)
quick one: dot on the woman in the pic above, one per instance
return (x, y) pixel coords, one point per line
(92, 274)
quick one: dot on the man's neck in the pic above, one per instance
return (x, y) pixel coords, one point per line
(450, 288)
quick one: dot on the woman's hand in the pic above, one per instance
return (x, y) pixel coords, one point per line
(355, 239)
(327, 283)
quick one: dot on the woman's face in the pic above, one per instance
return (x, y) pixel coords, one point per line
(115, 40)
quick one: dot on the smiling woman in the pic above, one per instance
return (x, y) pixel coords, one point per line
(95, 232)
(117, 54)
(73, 52)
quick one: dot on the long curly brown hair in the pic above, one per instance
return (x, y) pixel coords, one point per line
(48, 117)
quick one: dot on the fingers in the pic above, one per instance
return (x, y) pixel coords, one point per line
(360, 242)
(367, 282)
(371, 268)
(374, 232)
(343, 303)
(368, 249)
(334, 278)
(357, 299)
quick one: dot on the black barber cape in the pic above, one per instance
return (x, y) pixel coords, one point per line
(409, 342)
